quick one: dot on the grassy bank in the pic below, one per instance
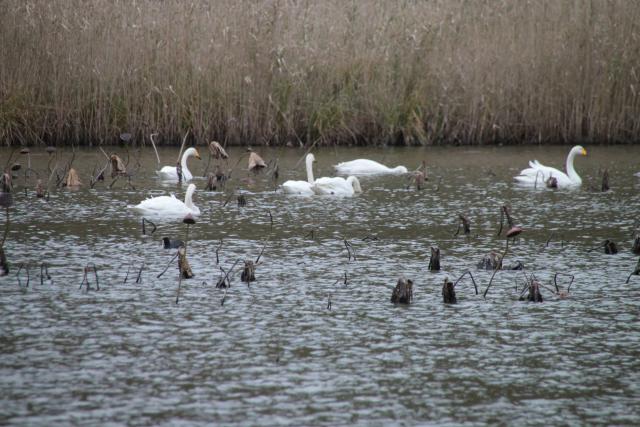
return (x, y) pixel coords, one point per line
(272, 72)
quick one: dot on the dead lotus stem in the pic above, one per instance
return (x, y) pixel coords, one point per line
(262, 251)
(434, 259)
(605, 181)
(184, 141)
(168, 264)
(144, 231)
(248, 274)
(505, 214)
(403, 291)
(126, 277)
(26, 267)
(472, 280)
(504, 254)
(153, 144)
(465, 224)
(351, 253)
(217, 252)
(635, 272)
(4, 265)
(90, 267)
(44, 272)
(7, 224)
(224, 296)
(226, 282)
(100, 175)
(270, 219)
(555, 281)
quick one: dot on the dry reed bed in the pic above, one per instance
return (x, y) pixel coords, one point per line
(272, 72)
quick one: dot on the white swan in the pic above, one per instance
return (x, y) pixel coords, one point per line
(302, 188)
(169, 173)
(367, 167)
(538, 174)
(169, 206)
(337, 186)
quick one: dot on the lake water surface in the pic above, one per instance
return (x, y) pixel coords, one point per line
(273, 354)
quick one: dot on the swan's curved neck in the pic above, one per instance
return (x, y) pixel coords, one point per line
(355, 183)
(183, 164)
(188, 198)
(309, 162)
(571, 172)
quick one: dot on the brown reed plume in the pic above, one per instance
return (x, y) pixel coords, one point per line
(320, 72)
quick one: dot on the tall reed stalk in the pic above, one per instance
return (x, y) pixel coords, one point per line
(296, 71)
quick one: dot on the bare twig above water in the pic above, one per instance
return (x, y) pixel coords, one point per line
(351, 253)
(26, 267)
(90, 267)
(472, 280)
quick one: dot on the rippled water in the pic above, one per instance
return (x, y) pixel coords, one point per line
(273, 354)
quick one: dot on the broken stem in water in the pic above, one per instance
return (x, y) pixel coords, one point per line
(472, 279)
(484, 295)
(167, 267)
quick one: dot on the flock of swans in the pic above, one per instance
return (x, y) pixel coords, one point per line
(535, 175)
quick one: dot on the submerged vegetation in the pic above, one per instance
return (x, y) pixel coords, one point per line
(303, 72)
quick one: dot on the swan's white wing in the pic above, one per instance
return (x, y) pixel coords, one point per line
(335, 186)
(541, 173)
(327, 181)
(361, 167)
(168, 173)
(161, 203)
(297, 187)
(164, 206)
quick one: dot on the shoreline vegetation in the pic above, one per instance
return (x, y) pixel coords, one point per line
(285, 72)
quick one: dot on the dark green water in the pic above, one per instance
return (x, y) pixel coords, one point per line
(273, 354)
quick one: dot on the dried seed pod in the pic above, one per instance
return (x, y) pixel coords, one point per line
(533, 294)
(514, 231)
(466, 225)
(636, 246)
(610, 248)
(249, 272)
(551, 182)
(403, 292)
(72, 179)
(40, 191)
(491, 261)
(418, 179)
(183, 263)
(117, 166)
(242, 201)
(434, 261)
(217, 151)
(448, 292)
(212, 182)
(189, 219)
(255, 162)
